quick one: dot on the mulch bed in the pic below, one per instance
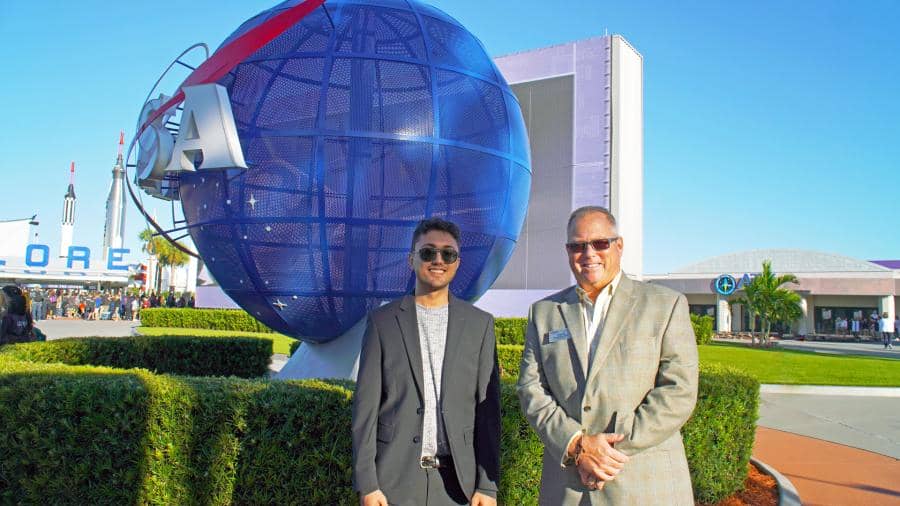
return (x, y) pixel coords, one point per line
(760, 489)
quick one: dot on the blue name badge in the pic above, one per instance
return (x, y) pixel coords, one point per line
(558, 335)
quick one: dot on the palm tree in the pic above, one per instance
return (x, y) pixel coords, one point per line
(151, 245)
(172, 257)
(166, 255)
(764, 297)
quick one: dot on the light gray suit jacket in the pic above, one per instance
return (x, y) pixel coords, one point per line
(642, 383)
(388, 402)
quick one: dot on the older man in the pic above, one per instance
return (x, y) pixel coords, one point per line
(608, 377)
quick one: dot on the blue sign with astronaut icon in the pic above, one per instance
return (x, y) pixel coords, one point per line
(726, 284)
(354, 122)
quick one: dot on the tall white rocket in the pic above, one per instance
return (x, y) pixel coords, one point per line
(68, 217)
(114, 230)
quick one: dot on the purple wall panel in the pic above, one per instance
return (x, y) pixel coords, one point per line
(538, 64)
(589, 62)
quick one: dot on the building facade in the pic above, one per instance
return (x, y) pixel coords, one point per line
(833, 288)
(583, 109)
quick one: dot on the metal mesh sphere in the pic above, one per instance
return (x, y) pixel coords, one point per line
(356, 124)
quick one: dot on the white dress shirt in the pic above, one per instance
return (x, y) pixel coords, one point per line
(593, 314)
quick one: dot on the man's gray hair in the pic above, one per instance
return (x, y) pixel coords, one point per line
(581, 212)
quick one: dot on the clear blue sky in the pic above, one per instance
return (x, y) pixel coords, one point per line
(767, 124)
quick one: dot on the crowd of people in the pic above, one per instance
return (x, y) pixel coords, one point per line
(113, 304)
(874, 326)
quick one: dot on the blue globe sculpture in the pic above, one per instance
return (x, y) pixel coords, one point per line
(357, 122)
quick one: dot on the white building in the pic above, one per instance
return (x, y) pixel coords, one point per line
(831, 286)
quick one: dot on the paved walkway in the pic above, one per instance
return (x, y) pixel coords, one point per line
(870, 349)
(867, 422)
(826, 473)
(58, 329)
(863, 348)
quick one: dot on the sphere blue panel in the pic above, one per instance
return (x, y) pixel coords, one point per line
(357, 122)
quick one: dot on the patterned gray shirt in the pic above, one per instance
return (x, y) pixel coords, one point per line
(432, 340)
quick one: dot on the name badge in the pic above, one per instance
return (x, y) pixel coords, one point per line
(559, 335)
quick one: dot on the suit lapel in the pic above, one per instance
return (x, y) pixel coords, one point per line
(409, 328)
(456, 322)
(617, 315)
(572, 314)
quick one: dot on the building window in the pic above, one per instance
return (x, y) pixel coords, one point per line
(839, 320)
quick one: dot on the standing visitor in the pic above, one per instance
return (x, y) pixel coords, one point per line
(426, 411)
(608, 377)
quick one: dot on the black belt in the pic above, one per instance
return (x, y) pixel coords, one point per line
(435, 462)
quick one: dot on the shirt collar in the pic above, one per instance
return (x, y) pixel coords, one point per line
(608, 290)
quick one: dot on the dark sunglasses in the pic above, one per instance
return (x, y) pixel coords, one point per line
(428, 254)
(597, 244)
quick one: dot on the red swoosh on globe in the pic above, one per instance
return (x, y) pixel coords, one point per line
(229, 55)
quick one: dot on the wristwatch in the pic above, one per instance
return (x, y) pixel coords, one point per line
(572, 458)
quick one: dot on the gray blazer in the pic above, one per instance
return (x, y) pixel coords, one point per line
(388, 402)
(642, 383)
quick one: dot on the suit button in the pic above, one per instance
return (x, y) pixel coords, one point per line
(420, 411)
(586, 409)
(416, 439)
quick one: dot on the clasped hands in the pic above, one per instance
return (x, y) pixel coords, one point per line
(596, 459)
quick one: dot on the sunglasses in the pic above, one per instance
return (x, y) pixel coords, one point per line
(428, 254)
(597, 244)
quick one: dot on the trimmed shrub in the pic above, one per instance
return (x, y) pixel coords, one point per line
(510, 330)
(88, 435)
(703, 328)
(294, 346)
(215, 319)
(718, 439)
(245, 357)
(521, 452)
(94, 435)
(509, 356)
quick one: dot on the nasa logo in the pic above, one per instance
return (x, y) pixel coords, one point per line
(207, 139)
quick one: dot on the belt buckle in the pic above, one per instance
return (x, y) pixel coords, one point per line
(428, 462)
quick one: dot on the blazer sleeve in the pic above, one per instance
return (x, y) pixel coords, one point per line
(670, 403)
(365, 411)
(487, 416)
(551, 422)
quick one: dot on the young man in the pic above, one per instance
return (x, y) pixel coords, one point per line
(608, 377)
(426, 412)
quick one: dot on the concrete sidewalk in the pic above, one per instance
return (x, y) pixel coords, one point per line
(865, 348)
(866, 422)
(59, 329)
(827, 473)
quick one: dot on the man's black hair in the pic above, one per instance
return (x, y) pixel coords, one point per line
(429, 224)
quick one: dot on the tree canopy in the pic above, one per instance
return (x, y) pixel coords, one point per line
(764, 296)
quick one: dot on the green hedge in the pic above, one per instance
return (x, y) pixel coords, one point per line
(703, 328)
(510, 330)
(87, 435)
(718, 437)
(94, 435)
(294, 346)
(215, 319)
(245, 357)
(509, 356)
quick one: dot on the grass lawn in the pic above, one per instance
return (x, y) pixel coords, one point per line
(280, 342)
(787, 367)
